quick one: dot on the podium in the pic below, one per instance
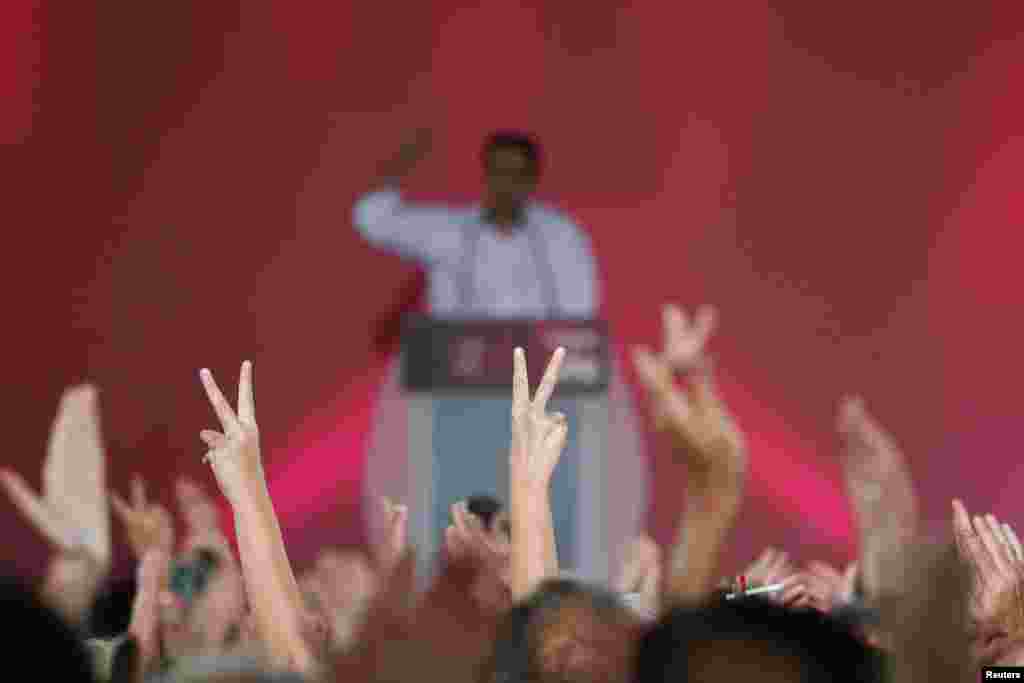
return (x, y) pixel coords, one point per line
(456, 381)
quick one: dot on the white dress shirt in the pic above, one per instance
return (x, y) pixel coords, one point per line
(544, 269)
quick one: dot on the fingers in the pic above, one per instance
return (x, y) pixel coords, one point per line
(1011, 535)
(1006, 549)
(520, 381)
(863, 431)
(774, 567)
(212, 439)
(81, 393)
(763, 560)
(705, 392)
(32, 507)
(992, 543)
(652, 372)
(78, 414)
(704, 323)
(650, 582)
(394, 514)
(397, 534)
(794, 591)
(246, 398)
(969, 543)
(144, 626)
(850, 581)
(554, 441)
(121, 507)
(674, 325)
(550, 380)
(964, 534)
(825, 572)
(221, 407)
(670, 406)
(628, 578)
(454, 543)
(756, 571)
(851, 413)
(399, 520)
(684, 341)
(189, 493)
(853, 426)
(138, 492)
(962, 529)
(460, 513)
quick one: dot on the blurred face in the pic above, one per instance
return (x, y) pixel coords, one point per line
(510, 178)
(346, 579)
(201, 607)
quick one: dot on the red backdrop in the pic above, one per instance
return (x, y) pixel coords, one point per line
(843, 182)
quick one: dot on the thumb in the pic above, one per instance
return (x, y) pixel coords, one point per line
(555, 439)
(651, 371)
(33, 508)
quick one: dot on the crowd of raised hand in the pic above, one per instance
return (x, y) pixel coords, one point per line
(209, 609)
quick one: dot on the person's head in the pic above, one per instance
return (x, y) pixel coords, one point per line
(751, 637)
(204, 604)
(343, 585)
(567, 631)
(346, 577)
(32, 627)
(512, 165)
(491, 512)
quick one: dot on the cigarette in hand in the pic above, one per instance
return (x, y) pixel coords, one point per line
(760, 590)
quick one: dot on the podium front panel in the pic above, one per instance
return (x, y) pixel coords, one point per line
(443, 430)
(469, 455)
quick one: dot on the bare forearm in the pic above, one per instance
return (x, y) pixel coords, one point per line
(552, 567)
(273, 592)
(409, 154)
(532, 538)
(702, 531)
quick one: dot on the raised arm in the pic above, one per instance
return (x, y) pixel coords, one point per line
(421, 233)
(72, 513)
(274, 594)
(538, 439)
(881, 492)
(702, 433)
(147, 524)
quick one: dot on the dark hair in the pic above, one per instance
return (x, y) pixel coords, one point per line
(111, 612)
(189, 577)
(33, 627)
(812, 643)
(485, 507)
(527, 143)
(515, 657)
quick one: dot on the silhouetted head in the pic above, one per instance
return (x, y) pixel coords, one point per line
(112, 611)
(512, 166)
(50, 650)
(752, 638)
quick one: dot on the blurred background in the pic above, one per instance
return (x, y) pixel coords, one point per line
(841, 180)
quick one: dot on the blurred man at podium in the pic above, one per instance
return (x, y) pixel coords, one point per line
(505, 257)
